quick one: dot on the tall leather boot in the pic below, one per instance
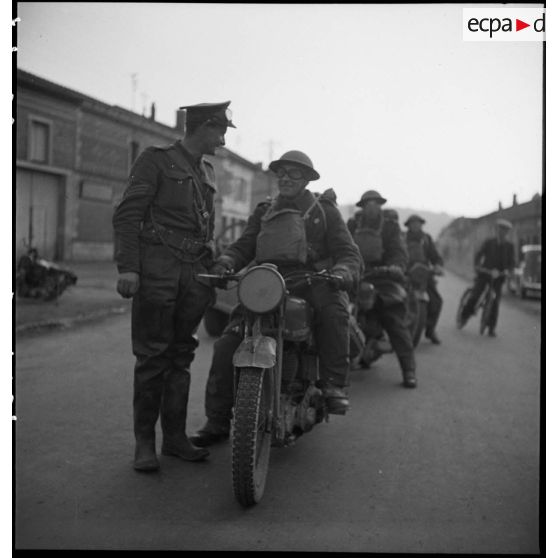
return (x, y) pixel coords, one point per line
(147, 400)
(173, 418)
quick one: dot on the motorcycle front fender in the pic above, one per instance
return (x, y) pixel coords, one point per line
(256, 352)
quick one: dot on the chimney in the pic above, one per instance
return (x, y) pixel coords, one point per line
(152, 117)
(499, 206)
(514, 202)
(181, 120)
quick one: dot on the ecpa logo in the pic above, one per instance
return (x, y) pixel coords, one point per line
(503, 24)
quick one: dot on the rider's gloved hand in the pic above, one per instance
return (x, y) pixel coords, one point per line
(128, 284)
(495, 273)
(343, 279)
(220, 267)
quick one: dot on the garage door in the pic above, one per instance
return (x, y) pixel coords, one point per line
(37, 212)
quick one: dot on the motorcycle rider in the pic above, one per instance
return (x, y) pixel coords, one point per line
(421, 248)
(164, 231)
(270, 232)
(380, 244)
(497, 254)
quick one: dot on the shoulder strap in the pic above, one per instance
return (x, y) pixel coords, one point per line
(317, 199)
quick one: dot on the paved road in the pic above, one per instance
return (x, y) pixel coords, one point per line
(452, 467)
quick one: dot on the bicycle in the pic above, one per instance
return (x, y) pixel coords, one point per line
(485, 302)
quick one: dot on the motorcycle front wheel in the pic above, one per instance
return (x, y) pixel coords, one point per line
(251, 434)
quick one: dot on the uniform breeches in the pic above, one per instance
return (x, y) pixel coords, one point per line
(166, 312)
(393, 319)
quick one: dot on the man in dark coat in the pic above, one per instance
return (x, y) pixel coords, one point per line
(421, 249)
(164, 231)
(328, 245)
(380, 243)
(497, 255)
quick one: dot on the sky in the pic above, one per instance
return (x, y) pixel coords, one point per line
(380, 96)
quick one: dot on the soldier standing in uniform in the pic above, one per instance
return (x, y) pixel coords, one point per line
(421, 248)
(496, 254)
(328, 245)
(381, 245)
(164, 233)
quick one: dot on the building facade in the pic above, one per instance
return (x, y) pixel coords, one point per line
(73, 157)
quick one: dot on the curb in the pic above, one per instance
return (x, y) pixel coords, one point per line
(66, 323)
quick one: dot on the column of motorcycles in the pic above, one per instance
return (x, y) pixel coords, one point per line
(278, 394)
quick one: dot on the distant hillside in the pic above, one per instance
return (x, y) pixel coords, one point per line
(435, 222)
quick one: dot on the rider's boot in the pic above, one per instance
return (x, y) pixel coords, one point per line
(409, 379)
(174, 408)
(336, 399)
(432, 335)
(213, 431)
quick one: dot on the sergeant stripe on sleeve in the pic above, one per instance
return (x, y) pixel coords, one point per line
(136, 190)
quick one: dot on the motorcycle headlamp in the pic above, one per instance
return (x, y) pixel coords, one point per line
(261, 289)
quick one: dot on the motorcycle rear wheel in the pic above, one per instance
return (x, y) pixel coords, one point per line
(251, 434)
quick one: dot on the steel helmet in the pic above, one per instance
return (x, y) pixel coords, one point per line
(414, 217)
(296, 158)
(371, 195)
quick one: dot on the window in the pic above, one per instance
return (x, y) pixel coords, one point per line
(39, 147)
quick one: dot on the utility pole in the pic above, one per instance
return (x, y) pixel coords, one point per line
(134, 88)
(270, 145)
(143, 103)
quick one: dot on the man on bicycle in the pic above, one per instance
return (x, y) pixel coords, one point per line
(497, 255)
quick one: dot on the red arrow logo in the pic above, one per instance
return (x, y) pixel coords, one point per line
(519, 25)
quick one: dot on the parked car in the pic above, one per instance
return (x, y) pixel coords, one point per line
(526, 278)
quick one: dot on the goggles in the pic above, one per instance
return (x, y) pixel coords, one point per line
(293, 174)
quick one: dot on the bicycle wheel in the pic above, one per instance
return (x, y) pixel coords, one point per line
(251, 436)
(461, 320)
(486, 311)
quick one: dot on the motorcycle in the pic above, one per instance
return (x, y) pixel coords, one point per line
(418, 276)
(40, 278)
(368, 338)
(277, 373)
